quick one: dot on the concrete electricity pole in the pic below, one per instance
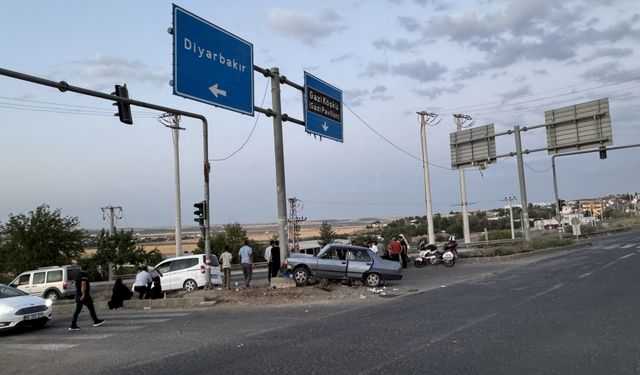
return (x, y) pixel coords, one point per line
(510, 200)
(113, 213)
(427, 119)
(172, 121)
(460, 120)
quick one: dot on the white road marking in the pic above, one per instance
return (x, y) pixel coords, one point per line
(40, 346)
(584, 275)
(612, 246)
(528, 299)
(628, 246)
(627, 256)
(609, 264)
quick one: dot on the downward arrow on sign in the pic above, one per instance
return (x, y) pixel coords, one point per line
(325, 126)
(216, 91)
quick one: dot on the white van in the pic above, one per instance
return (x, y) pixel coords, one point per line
(187, 272)
(48, 282)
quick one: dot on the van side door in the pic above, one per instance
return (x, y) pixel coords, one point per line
(38, 283)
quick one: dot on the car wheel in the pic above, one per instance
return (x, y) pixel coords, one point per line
(190, 285)
(372, 280)
(301, 276)
(52, 295)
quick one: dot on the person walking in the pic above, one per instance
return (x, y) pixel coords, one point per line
(141, 285)
(225, 264)
(83, 298)
(245, 256)
(267, 257)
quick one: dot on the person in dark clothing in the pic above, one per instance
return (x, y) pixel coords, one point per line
(155, 287)
(275, 259)
(83, 298)
(119, 294)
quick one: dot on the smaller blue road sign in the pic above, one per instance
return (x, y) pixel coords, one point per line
(322, 108)
(210, 64)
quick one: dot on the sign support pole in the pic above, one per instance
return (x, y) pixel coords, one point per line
(279, 157)
(523, 187)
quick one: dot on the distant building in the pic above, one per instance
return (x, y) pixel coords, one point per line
(548, 224)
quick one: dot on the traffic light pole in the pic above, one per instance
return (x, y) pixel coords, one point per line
(64, 87)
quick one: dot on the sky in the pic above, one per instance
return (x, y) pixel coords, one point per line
(499, 62)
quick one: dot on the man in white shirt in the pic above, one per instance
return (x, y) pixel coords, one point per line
(141, 285)
(225, 259)
(267, 257)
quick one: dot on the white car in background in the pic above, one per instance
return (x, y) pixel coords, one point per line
(187, 272)
(17, 308)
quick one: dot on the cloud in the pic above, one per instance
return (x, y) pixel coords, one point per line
(516, 93)
(103, 71)
(379, 93)
(346, 56)
(601, 71)
(614, 52)
(400, 45)
(410, 24)
(307, 29)
(355, 97)
(375, 69)
(434, 92)
(420, 70)
(530, 31)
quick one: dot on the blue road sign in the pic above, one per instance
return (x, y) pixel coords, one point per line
(322, 108)
(210, 64)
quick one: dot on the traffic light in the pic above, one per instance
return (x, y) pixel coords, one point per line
(200, 212)
(561, 203)
(603, 152)
(124, 109)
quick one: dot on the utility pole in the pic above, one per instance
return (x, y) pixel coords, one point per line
(172, 121)
(510, 200)
(113, 213)
(460, 120)
(427, 119)
(294, 223)
(279, 154)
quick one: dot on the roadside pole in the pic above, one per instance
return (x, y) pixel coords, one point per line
(523, 187)
(425, 167)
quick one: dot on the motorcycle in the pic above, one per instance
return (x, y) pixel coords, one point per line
(430, 253)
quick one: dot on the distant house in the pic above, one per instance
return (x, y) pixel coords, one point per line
(547, 224)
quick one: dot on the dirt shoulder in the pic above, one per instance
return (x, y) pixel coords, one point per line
(264, 295)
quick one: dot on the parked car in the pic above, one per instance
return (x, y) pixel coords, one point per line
(343, 262)
(17, 308)
(49, 282)
(187, 272)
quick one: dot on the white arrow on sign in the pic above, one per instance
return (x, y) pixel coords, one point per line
(216, 91)
(325, 126)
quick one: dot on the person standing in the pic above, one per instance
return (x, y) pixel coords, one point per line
(275, 259)
(267, 257)
(225, 260)
(245, 256)
(395, 249)
(141, 285)
(404, 248)
(382, 250)
(83, 298)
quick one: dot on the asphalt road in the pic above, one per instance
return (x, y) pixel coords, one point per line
(571, 312)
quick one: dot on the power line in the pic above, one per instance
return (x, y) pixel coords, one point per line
(252, 129)
(388, 141)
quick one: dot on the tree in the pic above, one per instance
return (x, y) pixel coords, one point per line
(40, 238)
(232, 235)
(327, 234)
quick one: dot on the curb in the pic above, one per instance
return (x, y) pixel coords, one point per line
(504, 258)
(138, 304)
